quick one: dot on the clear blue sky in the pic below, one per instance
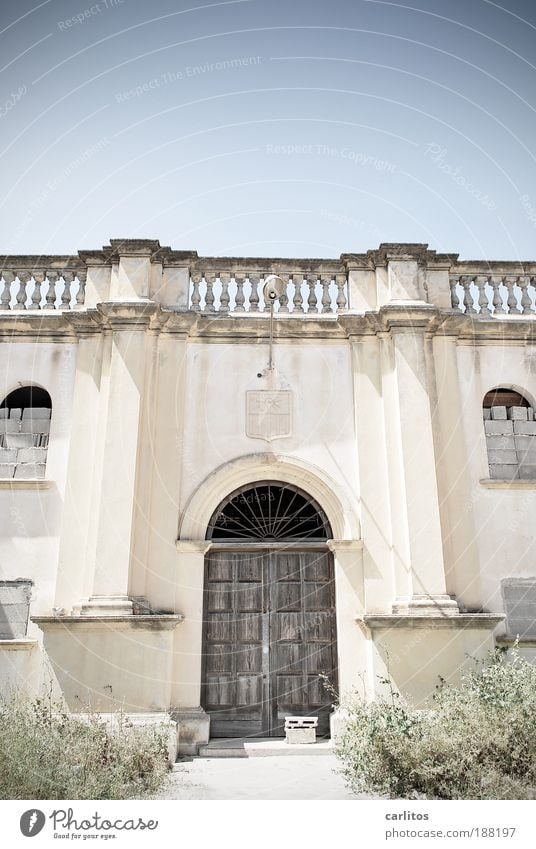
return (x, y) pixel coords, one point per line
(269, 127)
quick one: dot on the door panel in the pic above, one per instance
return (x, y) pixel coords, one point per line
(269, 631)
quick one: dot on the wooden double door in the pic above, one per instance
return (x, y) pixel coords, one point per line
(269, 638)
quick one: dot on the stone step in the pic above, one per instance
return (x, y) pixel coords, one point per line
(262, 747)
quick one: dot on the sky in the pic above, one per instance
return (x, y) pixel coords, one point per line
(298, 128)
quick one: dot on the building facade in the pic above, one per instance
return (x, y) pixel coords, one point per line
(200, 524)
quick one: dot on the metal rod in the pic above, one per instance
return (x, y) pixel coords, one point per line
(270, 359)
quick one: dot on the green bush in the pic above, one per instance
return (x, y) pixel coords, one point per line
(477, 742)
(47, 753)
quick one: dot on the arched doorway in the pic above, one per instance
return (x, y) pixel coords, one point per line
(269, 630)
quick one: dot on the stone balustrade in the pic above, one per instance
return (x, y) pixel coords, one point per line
(310, 291)
(41, 288)
(487, 294)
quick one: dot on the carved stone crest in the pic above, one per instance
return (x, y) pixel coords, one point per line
(268, 414)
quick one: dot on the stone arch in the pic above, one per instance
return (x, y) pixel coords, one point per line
(332, 498)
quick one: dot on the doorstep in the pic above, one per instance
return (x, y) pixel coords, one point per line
(260, 747)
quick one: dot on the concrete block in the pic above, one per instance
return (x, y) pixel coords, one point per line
(32, 455)
(503, 457)
(8, 455)
(15, 413)
(500, 443)
(30, 470)
(14, 608)
(528, 428)
(35, 426)
(498, 413)
(518, 414)
(527, 458)
(530, 414)
(19, 440)
(527, 471)
(36, 413)
(504, 428)
(300, 735)
(500, 472)
(9, 425)
(4, 413)
(525, 442)
(486, 412)
(7, 470)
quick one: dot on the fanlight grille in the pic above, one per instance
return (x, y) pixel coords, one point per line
(269, 511)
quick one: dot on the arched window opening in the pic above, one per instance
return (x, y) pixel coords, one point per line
(510, 427)
(24, 432)
(269, 511)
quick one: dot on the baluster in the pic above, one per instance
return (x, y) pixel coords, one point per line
(196, 294)
(509, 282)
(225, 297)
(312, 300)
(283, 300)
(526, 302)
(52, 277)
(483, 300)
(498, 307)
(24, 277)
(68, 278)
(340, 280)
(454, 299)
(38, 277)
(210, 278)
(297, 279)
(467, 298)
(81, 294)
(325, 282)
(254, 279)
(240, 298)
(5, 300)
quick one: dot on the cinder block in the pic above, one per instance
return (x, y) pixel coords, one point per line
(499, 428)
(504, 457)
(486, 412)
(499, 472)
(524, 442)
(19, 440)
(527, 471)
(30, 470)
(15, 413)
(498, 413)
(530, 414)
(300, 735)
(32, 455)
(527, 458)
(36, 413)
(7, 470)
(500, 443)
(4, 413)
(35, 426)
(528, 428)
(9, 425)
(518, 414)
(8, 455)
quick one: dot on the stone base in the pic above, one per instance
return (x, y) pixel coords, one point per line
(425, 605)
(113, 605)
(338, 722)
(193, 729)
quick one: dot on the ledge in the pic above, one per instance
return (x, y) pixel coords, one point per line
(26, 483)
(523, 642)
(495, 483)
(150, 622)
(386, 621)
(18, 644)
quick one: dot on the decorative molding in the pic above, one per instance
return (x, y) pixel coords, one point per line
(387, 621)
